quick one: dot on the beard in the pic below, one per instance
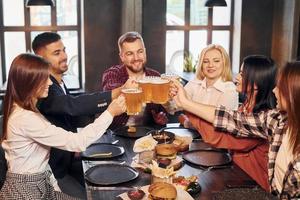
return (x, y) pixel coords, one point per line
(64, 67)
(134, 69)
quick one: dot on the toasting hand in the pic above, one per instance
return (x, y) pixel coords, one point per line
(130, 83)
(159, 118)
(117, 106)
(178, 93)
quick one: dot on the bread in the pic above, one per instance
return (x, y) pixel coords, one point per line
(162, 191)
(165, 151)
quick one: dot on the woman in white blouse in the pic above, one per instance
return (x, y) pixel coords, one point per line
(28, 136)
(213, 84)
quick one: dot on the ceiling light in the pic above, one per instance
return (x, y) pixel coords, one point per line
(212, 3)
(39, 3)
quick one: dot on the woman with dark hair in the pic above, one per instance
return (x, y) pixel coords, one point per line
(280, 126)
(255, 82)
(28, 136)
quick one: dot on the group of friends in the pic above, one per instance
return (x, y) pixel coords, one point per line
(260, 128)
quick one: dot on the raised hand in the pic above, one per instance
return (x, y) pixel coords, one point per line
(131, 83)
(117, 106)
(159, 118)
(178, 93)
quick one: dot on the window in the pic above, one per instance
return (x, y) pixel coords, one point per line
(190, 26)
(19, 25)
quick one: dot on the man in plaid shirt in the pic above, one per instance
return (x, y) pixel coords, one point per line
(133, 57)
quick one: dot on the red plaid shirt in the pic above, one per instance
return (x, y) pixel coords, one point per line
(115, 77)
(271, 125)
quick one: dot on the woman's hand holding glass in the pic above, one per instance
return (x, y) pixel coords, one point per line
(117, 106)
(178, 94)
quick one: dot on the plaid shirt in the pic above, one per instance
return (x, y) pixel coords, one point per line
(115, 77)
(271, 125)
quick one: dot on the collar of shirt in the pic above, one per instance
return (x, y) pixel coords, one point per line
(218, 85)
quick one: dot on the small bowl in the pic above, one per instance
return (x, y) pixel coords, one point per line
(137, 194)
(163, 136)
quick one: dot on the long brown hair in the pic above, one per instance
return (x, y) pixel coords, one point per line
(289, 90)
(27, 74)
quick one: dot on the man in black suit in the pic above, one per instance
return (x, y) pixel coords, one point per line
(63, 109)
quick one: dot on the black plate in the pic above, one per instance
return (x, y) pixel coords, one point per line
(207, 157)
(110, 174)
(181, 131)
(157, 134)
(141, 131)
(97, 148)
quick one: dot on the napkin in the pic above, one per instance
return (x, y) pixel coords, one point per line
(146, 143)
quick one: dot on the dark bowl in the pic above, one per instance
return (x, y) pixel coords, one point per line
(135, 194)
(163, 136)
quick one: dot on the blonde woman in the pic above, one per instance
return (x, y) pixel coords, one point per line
(213, 83)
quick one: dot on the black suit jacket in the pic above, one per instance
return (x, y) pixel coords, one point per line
(69, 112)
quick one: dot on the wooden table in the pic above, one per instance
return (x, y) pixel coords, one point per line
(211, 181)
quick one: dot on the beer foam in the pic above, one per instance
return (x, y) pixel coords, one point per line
(131, 90)
(160, 81)
(144, 81)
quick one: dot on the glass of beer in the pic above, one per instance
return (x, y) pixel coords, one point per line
(133, 97)
(145, 84)
(170, 76)
(160, 90)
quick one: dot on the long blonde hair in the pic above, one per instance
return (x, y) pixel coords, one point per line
(226, 73)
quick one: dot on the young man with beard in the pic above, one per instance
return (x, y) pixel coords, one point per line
(63, 109)
(132, 53)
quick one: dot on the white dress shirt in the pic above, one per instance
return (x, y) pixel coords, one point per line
(30, 137)
(220, 93)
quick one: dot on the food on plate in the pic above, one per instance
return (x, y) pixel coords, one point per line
(160, 174)
(164, 162)
(136, 194)
(193, 188)
(131, 129)
(147, 170)
(184, 182)
(162, 191)
(182, 143)
(146, 156)
(104, 154)
(146, 143)
(165, 151)
(163, 136)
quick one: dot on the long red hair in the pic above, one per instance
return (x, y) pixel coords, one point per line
(27, 74)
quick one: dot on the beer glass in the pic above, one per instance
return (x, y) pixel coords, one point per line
(160, 90)
(170, 76)
(133, 97)
(145, 84)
